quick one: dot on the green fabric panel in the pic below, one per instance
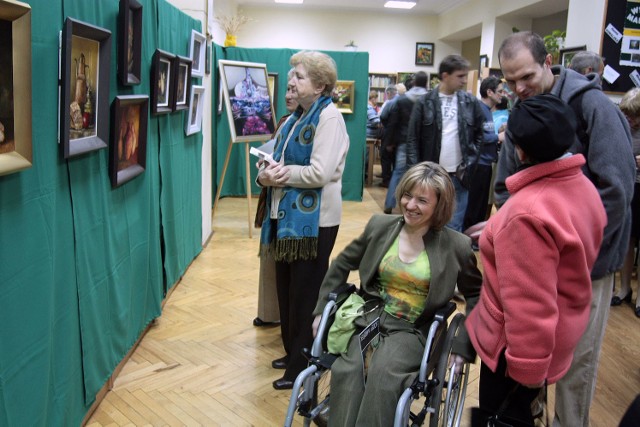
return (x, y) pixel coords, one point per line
(117, 233)
(351, 66)
(180, 160)
(40, 359)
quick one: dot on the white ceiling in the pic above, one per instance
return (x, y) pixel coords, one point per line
(434, 7)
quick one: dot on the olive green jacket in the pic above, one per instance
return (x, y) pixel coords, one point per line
(451, 259)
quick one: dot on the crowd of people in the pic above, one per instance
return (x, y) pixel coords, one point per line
(560, 166)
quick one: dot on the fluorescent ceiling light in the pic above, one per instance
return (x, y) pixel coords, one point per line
(400, 4)
(290, 1)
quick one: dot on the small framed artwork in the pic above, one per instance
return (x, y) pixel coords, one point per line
(343, 96)
(566, 55)
(273, 89)
(434, 80)
(84, 87)
(425, 53)
(483, 63)
(162, 76)
(196, 105)
(197, 53)
(181, 86)
(246, 94)
(15, 93)
(129, 42)
(128, 150)
(404, 75)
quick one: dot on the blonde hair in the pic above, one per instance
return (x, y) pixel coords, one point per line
(373, 95)
(320, 67)
(630, 103)
(431, 175)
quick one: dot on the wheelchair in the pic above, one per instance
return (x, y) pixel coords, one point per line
(437, 394)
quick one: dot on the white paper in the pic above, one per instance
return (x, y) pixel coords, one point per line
(613, 33)
(610, 75)
(635, 77)
(264, 151)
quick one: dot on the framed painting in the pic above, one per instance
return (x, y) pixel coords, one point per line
(343, 96)
(181, 86)
(434, 80)
(128, 150)
(197, 53)
(483, 62)
(404, 75)
(129, 42)
(84, 88)
(162, 77)
(196, 105)
(425, 53)
(566, 55)
(273, 89)
(245, 86)
(15, 87)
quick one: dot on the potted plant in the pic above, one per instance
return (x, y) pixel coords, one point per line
(554, 42)
(231, 25)
(351, 46)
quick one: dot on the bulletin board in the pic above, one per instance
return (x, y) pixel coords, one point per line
(621, 44)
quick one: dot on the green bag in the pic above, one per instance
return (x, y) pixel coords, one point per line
(344, 326)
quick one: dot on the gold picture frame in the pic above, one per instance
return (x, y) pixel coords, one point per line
(15, 56)
(343, 96)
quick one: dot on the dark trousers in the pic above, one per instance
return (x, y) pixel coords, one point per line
(478, 196)
(298, 284)
(495, 387)
(387, 159)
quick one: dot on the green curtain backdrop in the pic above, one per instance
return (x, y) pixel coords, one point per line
(84, 267)
(351, 66)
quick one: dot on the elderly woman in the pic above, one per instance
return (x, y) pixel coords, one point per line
(304, 203)
(399, 257)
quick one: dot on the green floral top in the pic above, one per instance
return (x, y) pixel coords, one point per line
(404, 286)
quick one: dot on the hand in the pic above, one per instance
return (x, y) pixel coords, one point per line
(500, 137)
(274, 175)
(475, 230)
(315, 324)
(637, 161)
(458, 360)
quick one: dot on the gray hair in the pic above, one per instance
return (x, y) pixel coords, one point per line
(586, 62)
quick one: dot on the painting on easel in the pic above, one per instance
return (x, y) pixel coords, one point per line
(248, 99)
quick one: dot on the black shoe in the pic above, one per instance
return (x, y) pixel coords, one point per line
(259, 322)
(387, 211)
(616, 300)
(283, 384)
(637, 311)
(280, 363)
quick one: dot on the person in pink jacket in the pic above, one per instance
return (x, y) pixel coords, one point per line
(537, 253)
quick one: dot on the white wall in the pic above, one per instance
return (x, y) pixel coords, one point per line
(389, 39)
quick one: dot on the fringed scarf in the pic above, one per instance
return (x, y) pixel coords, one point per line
(298, 222)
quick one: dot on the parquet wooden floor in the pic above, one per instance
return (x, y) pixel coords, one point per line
(202, 363)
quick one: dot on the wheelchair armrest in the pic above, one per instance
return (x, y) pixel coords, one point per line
(345, 288)
(443, 313)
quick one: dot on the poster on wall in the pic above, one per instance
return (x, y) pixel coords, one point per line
(248, 100)
(15, 87)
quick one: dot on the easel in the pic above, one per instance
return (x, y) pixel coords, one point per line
(248, 181)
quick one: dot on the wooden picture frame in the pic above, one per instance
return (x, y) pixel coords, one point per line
(273, 89)
(197, 53)
(566, 54)
(181, 83)
(162, 77)
(343, 96)
(128, 151)
(15, 81)
(193, 122)
(129, 42)
(84, 87)
(483, 62)
(425, 53)
(246, 93)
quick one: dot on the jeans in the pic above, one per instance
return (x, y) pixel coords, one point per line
(462, 198)
(398, 170)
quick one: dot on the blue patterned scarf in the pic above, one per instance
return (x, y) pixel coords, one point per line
(298, 223)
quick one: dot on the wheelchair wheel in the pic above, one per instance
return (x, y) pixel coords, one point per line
(319, 414)
(449, 395)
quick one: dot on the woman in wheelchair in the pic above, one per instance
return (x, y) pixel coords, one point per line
(409, 267)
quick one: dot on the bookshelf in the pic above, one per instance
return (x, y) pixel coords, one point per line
(380, 81)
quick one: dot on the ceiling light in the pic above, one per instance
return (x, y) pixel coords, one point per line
(290, 1)
(400, 4)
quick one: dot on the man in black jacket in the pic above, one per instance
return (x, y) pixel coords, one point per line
(446, 128)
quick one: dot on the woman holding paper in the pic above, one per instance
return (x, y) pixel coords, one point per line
(304, 202)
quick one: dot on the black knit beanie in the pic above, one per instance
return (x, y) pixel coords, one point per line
(543, 126)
